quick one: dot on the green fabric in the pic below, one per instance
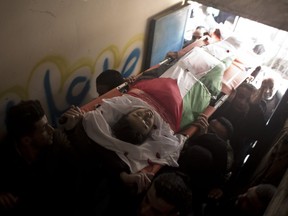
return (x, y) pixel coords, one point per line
(193, 106)
(199, 96)
(213, 79)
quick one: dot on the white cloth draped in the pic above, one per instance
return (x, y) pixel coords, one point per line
(161, 147)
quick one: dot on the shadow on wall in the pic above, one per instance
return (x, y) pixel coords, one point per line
(59, 84)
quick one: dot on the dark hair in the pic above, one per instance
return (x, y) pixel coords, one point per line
(172, 188)
(198, 33)
(111, 78)
(265, 193)
(193, 156)
(125, 132)
(208, 150)
(228, 125)
(268, 81)
(21, 118)
(247, 86)
(259, 49)
(256, 71)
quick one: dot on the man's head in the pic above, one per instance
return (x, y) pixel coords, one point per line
(268, 87)
(241, 101)
(108, 80)
(27, 123)
(198, 33)
(256, 199)
(167, 195)
(259, 49)
(135, 126)
(222, 127)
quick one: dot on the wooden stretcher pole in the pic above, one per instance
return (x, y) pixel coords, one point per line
(97, 101)
(166, 60)
(117, 91)
(112, 93)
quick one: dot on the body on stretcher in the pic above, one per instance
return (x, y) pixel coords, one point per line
(154, 167)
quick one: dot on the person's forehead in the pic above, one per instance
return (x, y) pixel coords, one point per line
(140, 109)
(135, 122)
(198, 33)
(214, 122)
(217, 124)
(42, 122)
(269, 85)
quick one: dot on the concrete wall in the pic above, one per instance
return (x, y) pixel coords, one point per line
(54, 50)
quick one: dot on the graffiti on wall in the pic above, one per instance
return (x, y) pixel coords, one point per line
(58, 84)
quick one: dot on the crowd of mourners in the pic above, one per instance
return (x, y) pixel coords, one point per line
(63, 170)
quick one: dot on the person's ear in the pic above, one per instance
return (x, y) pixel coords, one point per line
(25, 140)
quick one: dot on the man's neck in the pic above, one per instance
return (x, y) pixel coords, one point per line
(29, 154)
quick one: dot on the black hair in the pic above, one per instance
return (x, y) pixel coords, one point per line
(259, 49)
(21, 118)
(193, 156)
(172, 188)
(256, 71)
(208, 150)
(111, 78)
(228, 125)
(247, 86)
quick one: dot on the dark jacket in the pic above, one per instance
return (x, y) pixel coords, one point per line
(44, 187)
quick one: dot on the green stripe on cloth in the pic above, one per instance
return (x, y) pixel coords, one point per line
(199, 96)
(194, 102)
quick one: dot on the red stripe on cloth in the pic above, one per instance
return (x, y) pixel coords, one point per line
(164, 95)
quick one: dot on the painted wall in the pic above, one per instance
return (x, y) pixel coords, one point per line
(54, 50)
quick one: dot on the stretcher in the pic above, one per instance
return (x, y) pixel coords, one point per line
(231, 78)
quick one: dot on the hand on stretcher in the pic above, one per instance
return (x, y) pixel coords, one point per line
(72, 117)
(202, 124)
(141, 179)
